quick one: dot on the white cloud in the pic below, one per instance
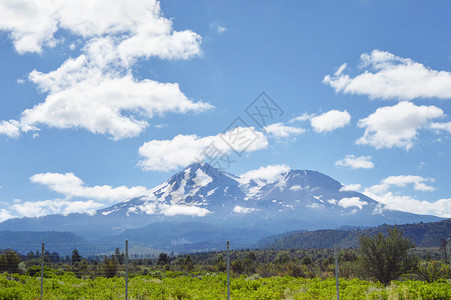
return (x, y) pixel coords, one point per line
(243, 210)
(148, 208)
(361, 162)
(330, 121)
(396, 126)
(184, 210)
(102, 104)
(315, 206)
(280, 130)
(5, 215)
(441, 208)
(301, 118)
(164, 155)
(97, 90)
(58, 206)
(33, 23)
(396, 201)
(352, 202)
(216, 25)
(441, 126)
(269, 174)
(295, 188)
(404, 180)
(220, 29)
(350, 187)
(71, 186)
(10, 128)
(30, 23)
(394, 77)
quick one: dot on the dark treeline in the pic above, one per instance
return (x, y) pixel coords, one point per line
(422, 234)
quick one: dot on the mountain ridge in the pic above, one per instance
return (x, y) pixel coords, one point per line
(260, 202)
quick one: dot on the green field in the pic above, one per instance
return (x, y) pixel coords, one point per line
(174, 285)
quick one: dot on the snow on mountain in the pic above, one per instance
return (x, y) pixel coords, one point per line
(269, 200)
(273, 192)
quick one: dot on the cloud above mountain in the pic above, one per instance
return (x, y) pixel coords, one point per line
(165, 155)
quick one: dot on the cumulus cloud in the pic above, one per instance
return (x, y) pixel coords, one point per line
(295, 188)
(330, 121)
(102, 103)
(5, 215)
(351, 202)
(57, 206)
(361, 162)
(164, 155)
(403, 180)
(350, 187)
(268, 174)
(184, 210)
(71, 186)
(243, 210)
(32, 24)
(302, 118)
(396, 126)
(10, 128)
(282, 131)
(97, 91)
(396, 201)
(387, 76)
(441, 126)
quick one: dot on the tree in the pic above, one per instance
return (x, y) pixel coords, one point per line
(386, 257)
(9, 262)
(163, 259)
(75, 256)
(120, 257)
(443, 247)
(282, 258)
(109, 267)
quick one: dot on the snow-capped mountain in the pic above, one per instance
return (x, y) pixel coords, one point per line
(260, 202)
(269, 193)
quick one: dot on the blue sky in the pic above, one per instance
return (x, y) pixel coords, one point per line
(103, 101)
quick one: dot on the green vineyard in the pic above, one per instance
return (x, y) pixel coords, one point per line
(174, 285)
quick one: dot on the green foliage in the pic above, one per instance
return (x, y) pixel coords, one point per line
(282, 258)
(386, 257)
(163, 259)
(422, 234)
(432, 270)
(214, 286)
(76, 258)
(109, 267)
(9, 262)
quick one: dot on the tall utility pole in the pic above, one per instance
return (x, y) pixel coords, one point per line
(126, 269)
(336, 271)
(228, 271)
(42, 272)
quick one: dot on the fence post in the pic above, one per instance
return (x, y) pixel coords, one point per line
(42, 272)
(228, 271)
(336, 271)
(126, 269)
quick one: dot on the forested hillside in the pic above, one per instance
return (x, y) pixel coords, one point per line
(422, 234)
